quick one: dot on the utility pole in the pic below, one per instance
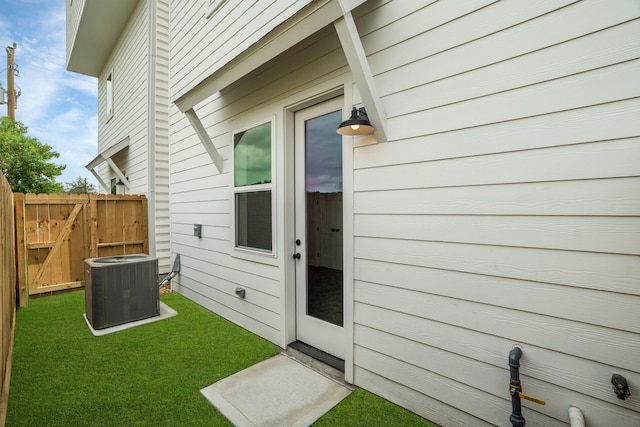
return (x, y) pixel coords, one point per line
(11, 90)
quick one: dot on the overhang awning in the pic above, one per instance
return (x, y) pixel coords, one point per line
(300, 26)
(105, 156)
(99, 25)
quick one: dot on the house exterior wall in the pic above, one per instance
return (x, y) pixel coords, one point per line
(128, 67)
(73, 15)
(210, 269)
(222, 35)
(503, 209)
(160, 128)
(140, 112)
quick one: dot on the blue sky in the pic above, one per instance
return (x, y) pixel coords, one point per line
(58, 107)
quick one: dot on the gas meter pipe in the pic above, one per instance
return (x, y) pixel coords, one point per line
(516, 418)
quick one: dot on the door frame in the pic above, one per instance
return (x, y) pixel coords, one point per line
(311, 330)
(288, 302)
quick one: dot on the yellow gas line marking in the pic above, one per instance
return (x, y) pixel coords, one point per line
(531, 398)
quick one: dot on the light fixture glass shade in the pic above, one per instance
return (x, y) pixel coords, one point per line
(358, 124)
(120, 187)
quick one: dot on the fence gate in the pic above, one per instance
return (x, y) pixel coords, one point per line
(55, 233)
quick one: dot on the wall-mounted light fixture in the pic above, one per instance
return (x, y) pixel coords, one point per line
(120, 187)
(358, 123)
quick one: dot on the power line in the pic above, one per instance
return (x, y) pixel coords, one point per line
(64, 73)
(28, 51)
(43, 56)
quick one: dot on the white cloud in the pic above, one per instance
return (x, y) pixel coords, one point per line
(58, 107)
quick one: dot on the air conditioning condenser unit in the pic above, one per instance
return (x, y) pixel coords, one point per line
(121, 289)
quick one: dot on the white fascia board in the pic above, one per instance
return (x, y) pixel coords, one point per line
(348, 5)
(116, 148)
(303, 24)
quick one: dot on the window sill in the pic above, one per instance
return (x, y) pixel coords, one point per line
(254, 255)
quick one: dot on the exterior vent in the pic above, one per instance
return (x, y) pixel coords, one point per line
(121, 289)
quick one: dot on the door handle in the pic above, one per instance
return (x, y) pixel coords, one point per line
(296, 255)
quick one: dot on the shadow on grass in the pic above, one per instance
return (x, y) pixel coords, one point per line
(150, 375)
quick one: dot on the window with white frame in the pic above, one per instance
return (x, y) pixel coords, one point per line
(253, 188)
(109, 97)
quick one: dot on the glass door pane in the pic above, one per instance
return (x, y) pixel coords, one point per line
(323, 165)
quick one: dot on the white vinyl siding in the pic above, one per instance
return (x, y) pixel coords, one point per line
(73, 15)
(213, 6)
(161, 137)
(211, 269)
(235, 26)
(161, 167)
(129, 64)
(505, 209)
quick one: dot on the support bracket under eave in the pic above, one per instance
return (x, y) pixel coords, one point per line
(105, 156)
(204, 138)
(357, 59)
(118, 172)
(96, 176)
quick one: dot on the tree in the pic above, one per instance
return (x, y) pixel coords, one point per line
(25, 161)
(80, 186)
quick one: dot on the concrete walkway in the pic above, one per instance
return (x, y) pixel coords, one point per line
(280, 391)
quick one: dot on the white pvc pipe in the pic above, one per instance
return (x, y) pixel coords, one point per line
(576, 419)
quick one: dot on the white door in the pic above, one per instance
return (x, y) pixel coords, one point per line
(318, 227)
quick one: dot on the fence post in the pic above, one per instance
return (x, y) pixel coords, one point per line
(8, 285)
(21, 250)
(86, 223)
(145, 224)
(93, 225)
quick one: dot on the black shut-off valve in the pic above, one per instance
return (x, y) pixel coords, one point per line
(620, 386)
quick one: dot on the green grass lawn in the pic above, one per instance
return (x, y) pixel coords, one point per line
(150, 375)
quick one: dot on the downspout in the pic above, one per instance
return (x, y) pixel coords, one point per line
(516, 418)
(151, 129)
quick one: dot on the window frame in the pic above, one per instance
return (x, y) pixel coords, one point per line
(244, 251)
(213, 6)
(109, 98)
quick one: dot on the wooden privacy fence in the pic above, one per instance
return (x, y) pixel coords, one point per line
(56, 232)
(7, 291)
